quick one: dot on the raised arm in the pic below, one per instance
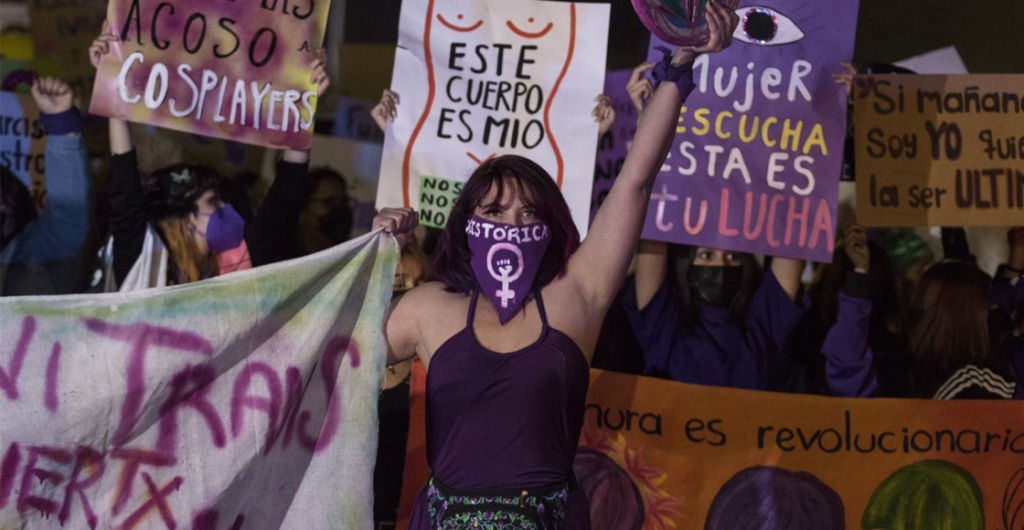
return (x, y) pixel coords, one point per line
(127, 198)
(65, 217)
(120, 136)
(386, 110)
(600, 264)
(318, 76)
(849, 361)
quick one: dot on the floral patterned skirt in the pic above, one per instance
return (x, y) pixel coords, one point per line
(451, 509)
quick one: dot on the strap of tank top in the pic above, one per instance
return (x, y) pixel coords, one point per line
(472, 309)
(540, 307)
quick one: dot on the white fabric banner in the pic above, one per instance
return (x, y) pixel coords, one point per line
(248, 401)
(480, 78)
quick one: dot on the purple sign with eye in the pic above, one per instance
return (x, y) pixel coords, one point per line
(758, 152)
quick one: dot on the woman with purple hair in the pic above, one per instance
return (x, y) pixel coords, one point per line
(508, 332)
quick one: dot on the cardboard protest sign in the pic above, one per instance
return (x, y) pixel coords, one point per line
(756, 161)
(22, 138)
(656, 454)
(244, 401)
(224, 69)
(611, 149)
(939, 150)
(480, 78)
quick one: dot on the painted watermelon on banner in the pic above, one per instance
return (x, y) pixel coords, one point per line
(678, 22)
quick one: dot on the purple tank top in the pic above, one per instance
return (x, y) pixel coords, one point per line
(505, 421)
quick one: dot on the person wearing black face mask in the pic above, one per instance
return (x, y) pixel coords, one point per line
(716, 285)
(704, 315)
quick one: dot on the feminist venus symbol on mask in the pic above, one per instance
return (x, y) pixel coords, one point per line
(504, 268)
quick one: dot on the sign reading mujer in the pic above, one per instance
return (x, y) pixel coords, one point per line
(756, 161)
(244, 401)
(480, 78)
(221, 68)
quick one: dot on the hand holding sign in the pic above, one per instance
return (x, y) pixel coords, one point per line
(855, 243)
(399, 222)
(386, 110)
(604, 114)
(681, 22)
(216, 69)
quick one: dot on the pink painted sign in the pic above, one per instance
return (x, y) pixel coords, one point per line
(758, 152)
(226, 69)
(247, 401)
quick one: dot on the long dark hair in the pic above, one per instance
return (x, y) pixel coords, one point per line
(679, 273)
(947, 322)
(538, 190)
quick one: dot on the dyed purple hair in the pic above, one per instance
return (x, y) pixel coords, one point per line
(538, 190)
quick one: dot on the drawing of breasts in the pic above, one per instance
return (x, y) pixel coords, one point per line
(493, 75)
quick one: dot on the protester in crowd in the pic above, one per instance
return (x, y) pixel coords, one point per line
(1008, 297)
(42, 251)
(802, 367)
(179, 230)
(946, 337)
(301, 216)
(383, 113)
(705, 315)
(507, 377)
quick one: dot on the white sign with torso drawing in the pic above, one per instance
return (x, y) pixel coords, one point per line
(482, 78)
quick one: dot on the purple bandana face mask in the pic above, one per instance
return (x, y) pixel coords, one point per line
(505, 260)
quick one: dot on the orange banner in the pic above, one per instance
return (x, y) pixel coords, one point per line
(657, 454)
(939, 150)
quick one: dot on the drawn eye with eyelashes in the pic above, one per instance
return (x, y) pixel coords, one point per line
(459, 27)
(765, 26)
(527, 34)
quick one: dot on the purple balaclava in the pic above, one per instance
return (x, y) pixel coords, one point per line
(505, 260)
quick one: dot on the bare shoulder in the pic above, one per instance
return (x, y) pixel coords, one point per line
(427, 296)
(428, 315)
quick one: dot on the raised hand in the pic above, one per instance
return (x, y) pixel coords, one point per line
(855, 243)
(386, 110)
(639, 86)
(399, 222)
(722, 23)
(604, 114)
(52, 95)
(101, 45)
(318, 76)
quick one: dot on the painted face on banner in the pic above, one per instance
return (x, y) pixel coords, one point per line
(505, 259)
